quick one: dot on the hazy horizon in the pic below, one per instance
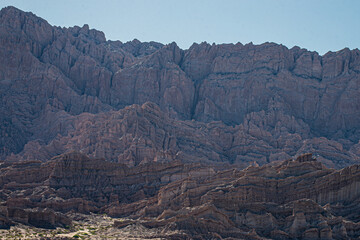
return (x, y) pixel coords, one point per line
(319, 26)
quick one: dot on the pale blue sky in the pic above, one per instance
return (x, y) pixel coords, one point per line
(318, 25)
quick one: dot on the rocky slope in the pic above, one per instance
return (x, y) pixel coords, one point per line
(292, 199)
(144, 134)
(68, 88)
(74, 182)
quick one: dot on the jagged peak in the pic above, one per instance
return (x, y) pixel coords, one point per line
(10, 9)
(12, 12)
(36, 28)
(200, 45)
(172, 45)
(140, 49)
(96, 35)
(85, 27)
(135, 41)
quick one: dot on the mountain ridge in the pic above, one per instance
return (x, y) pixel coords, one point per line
(226, 141)
(50, 75)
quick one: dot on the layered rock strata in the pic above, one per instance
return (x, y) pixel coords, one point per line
(292, 199)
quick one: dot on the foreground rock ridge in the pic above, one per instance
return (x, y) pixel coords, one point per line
(292, 199)
(237, 103)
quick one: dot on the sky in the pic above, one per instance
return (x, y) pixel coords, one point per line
(317, 25)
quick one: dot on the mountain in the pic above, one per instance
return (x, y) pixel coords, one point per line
(236, 103)
(212, 142)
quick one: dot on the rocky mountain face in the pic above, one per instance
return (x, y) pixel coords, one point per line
(144, 134)
(199, 141)
(292, 199)
(238, 103)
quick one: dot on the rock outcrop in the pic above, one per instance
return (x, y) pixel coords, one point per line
(234, 103)
(31, 190)
(144, 134)
(292, 199)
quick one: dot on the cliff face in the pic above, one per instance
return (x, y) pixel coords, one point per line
(144, 134)
(161, 134)
(74, 182)
(292, 199)
(272, 102)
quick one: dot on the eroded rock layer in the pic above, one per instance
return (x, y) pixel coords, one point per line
(292, 199)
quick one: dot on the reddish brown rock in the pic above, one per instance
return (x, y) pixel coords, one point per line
(289, 199)
(74, 182)
(283, 201)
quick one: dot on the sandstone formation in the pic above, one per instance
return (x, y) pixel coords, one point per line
(31, 190)
(292, 199)
(239, 103)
